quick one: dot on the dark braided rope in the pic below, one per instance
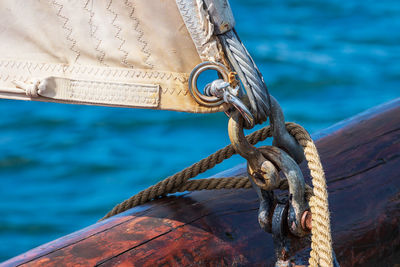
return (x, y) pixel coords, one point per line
(175, 181)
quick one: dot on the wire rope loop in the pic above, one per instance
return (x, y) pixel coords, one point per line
(249, 75)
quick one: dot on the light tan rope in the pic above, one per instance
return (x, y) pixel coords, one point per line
(321, 240)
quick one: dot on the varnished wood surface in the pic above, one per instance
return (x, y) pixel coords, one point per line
(219, 228)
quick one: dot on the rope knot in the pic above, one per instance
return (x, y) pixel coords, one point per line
(32, 88)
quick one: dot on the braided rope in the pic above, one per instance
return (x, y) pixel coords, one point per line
(240, 182)
(321, 240)
(170, 184)
(215, 184)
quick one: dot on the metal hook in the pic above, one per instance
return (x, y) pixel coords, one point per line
(263, 172)
(222, 89)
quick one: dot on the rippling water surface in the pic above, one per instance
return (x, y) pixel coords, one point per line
(63, 166)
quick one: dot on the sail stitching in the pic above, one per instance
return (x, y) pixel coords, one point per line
(94, 72)
(68, 30)
(114, 93)
(140, 38)
(93, 33)
(81, 69)
(118, 36)
(200, 29)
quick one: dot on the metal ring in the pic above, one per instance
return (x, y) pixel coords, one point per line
(210, 101)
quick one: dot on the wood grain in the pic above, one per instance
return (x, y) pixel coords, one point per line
(219, 228)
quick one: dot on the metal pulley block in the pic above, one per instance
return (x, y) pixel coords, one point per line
(278, 217)
(297, 205)
(270, 168)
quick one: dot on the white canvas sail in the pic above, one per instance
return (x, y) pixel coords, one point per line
(131, 53)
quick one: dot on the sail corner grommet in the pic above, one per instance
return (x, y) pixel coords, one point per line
(202, 99)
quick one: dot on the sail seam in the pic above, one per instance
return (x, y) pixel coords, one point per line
(93, 71)
(11, 70)
(200, 29)
(172, 86)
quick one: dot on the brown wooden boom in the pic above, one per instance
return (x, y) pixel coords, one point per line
(361, 157)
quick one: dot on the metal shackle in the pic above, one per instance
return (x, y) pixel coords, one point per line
(282, 138)
(262, 171)
(291, 171)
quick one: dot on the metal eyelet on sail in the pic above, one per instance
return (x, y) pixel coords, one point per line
(218, 91)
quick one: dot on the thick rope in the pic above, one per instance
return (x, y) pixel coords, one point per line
(215, 184)
(321, 240)
(175, 181)
(229, 183)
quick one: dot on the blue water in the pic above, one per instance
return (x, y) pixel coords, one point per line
(63, 166)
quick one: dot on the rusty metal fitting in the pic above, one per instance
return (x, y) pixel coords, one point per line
(306, 219)
(282, 138)
(294, 176)
(261, 170)
(287, 263)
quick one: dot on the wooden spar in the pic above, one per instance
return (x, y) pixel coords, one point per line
(361, 157)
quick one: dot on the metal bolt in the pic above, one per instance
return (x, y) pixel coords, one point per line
(306, 220)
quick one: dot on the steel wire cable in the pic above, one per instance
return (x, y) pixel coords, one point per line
(249, 75)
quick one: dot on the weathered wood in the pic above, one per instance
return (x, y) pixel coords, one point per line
(219, 228)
